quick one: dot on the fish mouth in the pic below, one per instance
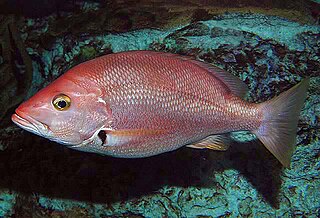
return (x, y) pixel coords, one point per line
(30, 124)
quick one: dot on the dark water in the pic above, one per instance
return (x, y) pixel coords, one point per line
(270, 46)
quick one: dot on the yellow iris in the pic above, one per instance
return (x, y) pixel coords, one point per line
(61, 102)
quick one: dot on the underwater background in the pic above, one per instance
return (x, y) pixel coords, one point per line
(270, 45)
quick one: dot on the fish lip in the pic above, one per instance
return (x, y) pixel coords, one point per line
(30, 124)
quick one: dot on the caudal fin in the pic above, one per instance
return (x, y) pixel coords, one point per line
(280, 120)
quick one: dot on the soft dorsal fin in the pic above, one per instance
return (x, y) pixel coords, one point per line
(234, 84)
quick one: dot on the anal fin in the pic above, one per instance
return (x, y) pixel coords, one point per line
(213, 142)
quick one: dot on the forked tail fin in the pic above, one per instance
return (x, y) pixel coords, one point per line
(280, 120)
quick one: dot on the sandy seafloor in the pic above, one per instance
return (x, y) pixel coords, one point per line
(270, 54)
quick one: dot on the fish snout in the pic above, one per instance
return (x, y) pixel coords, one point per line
(27, 122)
(29, 107)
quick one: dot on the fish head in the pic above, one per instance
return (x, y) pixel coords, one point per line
(68, 111)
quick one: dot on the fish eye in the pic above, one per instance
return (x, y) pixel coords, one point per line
(61, 102)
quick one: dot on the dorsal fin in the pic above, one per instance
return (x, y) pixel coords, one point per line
(235, 85)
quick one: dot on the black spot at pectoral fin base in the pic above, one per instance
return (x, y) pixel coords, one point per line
(103, 136)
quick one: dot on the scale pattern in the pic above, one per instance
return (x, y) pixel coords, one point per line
(158, 91)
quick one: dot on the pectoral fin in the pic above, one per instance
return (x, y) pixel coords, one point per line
(121, 137)
(214, 142)
(136, 132)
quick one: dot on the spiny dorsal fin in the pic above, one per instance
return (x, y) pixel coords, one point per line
(214, 142)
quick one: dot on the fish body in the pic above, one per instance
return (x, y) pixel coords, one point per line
(143, 103)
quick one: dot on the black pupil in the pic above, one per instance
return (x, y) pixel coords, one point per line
(62, 103)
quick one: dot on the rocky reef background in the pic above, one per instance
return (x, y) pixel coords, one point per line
(269, 45)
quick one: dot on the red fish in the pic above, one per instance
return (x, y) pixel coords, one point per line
(143, 103)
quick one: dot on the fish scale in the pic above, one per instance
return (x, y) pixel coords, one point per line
(192, 100)
(143, 103)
